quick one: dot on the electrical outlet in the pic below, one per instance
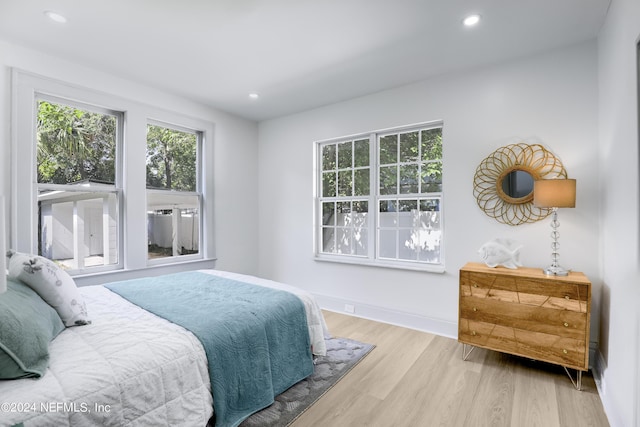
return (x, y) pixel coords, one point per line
(349, 308)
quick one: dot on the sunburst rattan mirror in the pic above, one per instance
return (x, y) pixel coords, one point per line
(503, 182)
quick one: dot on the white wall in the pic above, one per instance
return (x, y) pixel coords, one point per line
(619, 357)
(234, 155)
(549, 99)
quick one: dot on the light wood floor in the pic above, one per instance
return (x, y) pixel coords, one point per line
(418, 379)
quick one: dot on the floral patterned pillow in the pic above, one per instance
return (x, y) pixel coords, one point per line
(53, 284)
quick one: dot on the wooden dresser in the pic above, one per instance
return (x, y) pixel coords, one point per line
(526, 313)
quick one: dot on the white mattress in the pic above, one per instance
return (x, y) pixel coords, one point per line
(127, 368)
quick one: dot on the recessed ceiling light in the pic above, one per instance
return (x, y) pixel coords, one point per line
(254, 95)
(54, 16)
(471, 20)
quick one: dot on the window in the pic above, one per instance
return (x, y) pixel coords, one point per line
(379, 198)
(91, 191)
(78, 186)
(173, 197)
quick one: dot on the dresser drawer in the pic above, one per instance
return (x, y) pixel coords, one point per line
(564, 296)
(564, 323)
(564, 351)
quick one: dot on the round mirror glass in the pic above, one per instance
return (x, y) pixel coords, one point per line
(517, 184)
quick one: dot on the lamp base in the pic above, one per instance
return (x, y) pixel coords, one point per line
(556, 270)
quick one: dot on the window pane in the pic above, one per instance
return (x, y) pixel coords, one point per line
(431, 177)
(407, 210)
(388, 216)
(78, 229)
(432, 144)
(171, 159)
(361, 242)
(361, 207)
(361, 182)
(420, 232)
(328, 213)
(388, 206)
(345, 183)
(409, 147)
(429, 205)
(407, 205)
(345, 156)
(388, 241)
(328, 157)
(409, 179)
(328, 240)
(388, 180)
(343, 213)
(343, 240)
(431, 231)
(430, 237)
(361, 153)
(407, 245)
(173, 224)
(329, 184)
(75, 145)
(388, 149)
(360, 217)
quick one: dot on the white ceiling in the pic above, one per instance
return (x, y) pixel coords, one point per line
(297, 54)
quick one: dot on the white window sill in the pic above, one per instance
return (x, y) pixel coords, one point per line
(354, 260)
(152, 270)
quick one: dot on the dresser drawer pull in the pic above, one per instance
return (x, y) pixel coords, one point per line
(566, 297)
(473, 333)
(565, 351)
(475, 285)
(475, 309)
(566, 325)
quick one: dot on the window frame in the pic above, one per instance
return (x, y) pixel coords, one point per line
(373, 257)
(117, 190)
(197, 193)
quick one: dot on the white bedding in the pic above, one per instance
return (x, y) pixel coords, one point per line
(142, 369)
(127, 368)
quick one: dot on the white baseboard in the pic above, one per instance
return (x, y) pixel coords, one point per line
(385, 315)
(599, 368)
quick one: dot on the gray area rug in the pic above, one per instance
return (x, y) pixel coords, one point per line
(342, 355)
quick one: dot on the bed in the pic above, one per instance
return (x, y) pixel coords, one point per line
(130, 367)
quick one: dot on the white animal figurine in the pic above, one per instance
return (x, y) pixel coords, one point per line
(505, 252)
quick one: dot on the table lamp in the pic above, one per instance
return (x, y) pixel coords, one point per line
(554, 194)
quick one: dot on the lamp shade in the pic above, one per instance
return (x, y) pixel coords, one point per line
(554, 193)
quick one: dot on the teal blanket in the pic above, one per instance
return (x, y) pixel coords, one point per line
(256, 339)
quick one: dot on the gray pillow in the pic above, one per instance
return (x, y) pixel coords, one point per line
(27, 326)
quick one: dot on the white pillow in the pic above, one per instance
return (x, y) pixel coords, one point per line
(53, 284)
